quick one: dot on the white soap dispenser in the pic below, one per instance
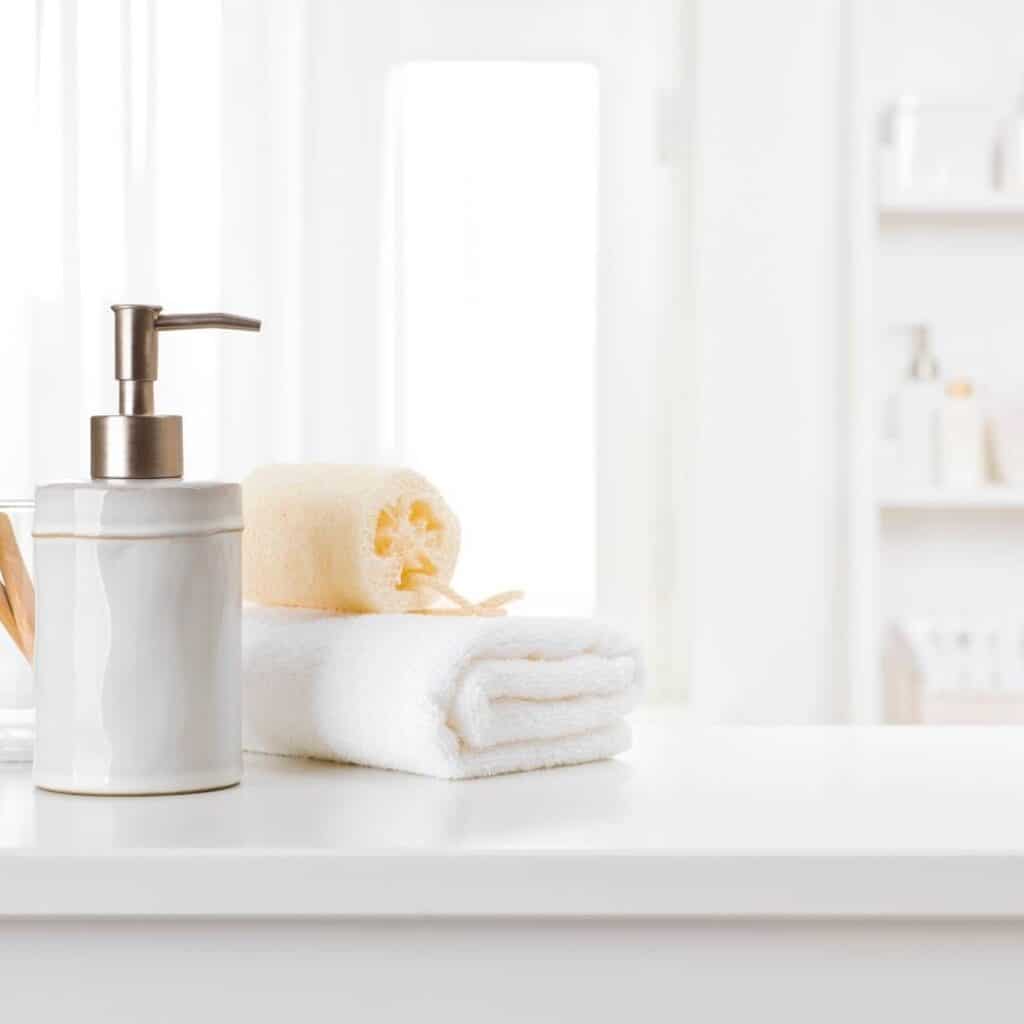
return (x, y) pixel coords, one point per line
(138, 599)
(919, 402)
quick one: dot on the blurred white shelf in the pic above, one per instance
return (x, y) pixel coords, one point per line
(923, 205)
(985, 498)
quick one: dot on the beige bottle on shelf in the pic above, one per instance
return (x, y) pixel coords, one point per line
(961, 437)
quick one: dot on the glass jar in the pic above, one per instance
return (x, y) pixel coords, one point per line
(17, 715)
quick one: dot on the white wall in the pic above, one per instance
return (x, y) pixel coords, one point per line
(768, 254)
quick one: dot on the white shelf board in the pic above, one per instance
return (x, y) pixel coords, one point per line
(984, 204)
(923, 498)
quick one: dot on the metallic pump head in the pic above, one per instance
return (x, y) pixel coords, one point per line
(137, 444)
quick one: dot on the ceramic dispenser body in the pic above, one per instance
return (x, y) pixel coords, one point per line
(138, 601)
(138, 636)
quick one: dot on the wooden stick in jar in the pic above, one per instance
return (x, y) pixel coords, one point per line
(7, 619)
(21, 595)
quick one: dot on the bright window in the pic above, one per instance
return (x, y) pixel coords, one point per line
(497, 173)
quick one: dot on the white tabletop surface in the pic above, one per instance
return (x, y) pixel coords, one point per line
(889, 822)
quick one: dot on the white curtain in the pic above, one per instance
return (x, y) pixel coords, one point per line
(236, 156)
(162, 152)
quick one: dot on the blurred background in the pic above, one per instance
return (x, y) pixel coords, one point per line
(704, 314)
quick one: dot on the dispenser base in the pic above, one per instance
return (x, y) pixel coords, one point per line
(137, 787)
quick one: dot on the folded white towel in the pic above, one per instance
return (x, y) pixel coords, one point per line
(452, 697)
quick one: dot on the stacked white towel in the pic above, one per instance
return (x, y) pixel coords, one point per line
(451, 697)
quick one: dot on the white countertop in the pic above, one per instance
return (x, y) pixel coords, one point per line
(804, 822)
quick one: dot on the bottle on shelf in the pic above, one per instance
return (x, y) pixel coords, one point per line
(1011, 149)
(918, 404)
(961, 437)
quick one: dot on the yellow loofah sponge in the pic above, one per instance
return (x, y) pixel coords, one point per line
(345, 538)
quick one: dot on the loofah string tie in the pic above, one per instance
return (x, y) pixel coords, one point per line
(491, 607)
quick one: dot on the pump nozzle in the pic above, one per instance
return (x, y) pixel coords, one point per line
(138, 444)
